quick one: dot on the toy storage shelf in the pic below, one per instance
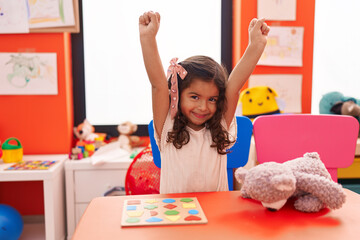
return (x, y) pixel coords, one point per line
(85, 181)
(54, 198)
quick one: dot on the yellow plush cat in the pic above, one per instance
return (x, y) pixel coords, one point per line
(256, 101)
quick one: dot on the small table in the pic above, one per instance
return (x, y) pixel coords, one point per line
(53, 183)
(229, 217)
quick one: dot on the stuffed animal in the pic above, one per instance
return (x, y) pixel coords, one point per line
(331, 103)
(88, 142)
(85, 132)
(305, 178)
(260, 100)
(127, 142)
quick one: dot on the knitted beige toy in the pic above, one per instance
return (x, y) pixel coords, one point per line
(127, 142)
(305, 178)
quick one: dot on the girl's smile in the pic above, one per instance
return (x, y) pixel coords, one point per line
(198, 103)
(200, 115)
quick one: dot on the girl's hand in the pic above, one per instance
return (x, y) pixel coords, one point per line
(258, 31)
(149, 24)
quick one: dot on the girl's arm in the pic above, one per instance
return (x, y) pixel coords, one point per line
(148, 27)
(258, 31)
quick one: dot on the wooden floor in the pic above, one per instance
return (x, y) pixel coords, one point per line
(33, 231)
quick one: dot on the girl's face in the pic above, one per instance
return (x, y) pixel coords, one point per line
(198, 102)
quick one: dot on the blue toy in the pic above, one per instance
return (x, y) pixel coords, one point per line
(11, 223)
(329, 100)
(337, 103)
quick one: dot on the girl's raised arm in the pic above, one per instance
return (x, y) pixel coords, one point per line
(258, 31)
(148, 27)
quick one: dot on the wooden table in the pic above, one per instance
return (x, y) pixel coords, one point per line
(229, 217)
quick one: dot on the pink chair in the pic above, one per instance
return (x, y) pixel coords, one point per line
(279, 138)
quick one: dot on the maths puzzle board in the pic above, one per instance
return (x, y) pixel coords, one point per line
(31, 165)
(162, 211)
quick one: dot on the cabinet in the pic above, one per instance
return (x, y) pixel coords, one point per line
(54, 199)
(354, 170)
(85, 181)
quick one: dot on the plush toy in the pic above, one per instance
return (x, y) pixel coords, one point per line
(88, 142)
(334, 103)
(260, 100)
(127, 142)
(305, 178)
(85, 132)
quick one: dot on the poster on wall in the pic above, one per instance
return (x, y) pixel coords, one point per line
(278, 10)
(284, 47)
(13, 16)
(287, 86)
(28, 74)
(51, 13)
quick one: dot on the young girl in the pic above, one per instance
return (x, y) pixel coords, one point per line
(194, 110)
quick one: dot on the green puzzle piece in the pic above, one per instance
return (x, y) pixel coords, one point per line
(171, 212)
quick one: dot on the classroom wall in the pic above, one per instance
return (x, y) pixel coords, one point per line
(245, 10)
(42, 123)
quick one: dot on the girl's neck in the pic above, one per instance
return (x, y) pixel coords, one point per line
(195, 127)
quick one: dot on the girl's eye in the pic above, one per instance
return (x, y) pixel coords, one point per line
(212, 99)
(194, 97)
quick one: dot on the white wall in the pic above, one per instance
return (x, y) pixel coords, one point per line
(336, 49)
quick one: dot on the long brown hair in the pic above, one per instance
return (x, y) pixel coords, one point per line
(208, 70)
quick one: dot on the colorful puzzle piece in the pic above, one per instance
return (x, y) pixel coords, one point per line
(173, 218)
(134, 213)
(151, 207)
(153, 213)
(189, 205)
(162, 211)
(31, 165)
(171, 212)
(170, 206)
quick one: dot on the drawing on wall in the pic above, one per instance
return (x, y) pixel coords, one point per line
(13, 16)
(284, 47)
(28, 74)
(51, 13)
(287, 86)
(279, 10)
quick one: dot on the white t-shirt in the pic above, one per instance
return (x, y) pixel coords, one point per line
(196, 167)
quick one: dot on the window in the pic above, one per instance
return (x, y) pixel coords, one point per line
(110, 81)
(336, 50)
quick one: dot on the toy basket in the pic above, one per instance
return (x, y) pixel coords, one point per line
(143, 177)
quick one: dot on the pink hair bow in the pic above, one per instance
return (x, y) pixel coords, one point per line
(172, 71)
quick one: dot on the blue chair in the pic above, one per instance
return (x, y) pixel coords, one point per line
(239, 152)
